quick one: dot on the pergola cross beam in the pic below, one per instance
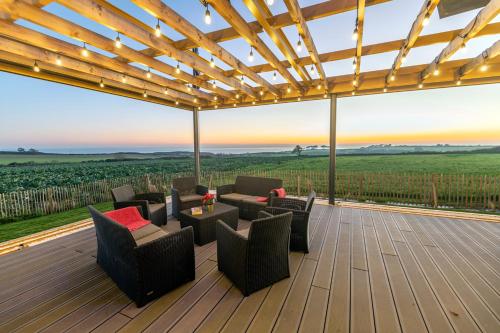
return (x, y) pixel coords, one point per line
(360, 20)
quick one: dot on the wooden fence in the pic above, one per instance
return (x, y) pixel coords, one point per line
(452, 191)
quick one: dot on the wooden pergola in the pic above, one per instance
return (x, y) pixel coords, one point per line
(32, 53)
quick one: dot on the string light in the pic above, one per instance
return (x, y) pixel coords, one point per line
(355, 33)
(178, 68)
(393, 77)
(270, 2)
(35, 67)
(176, 102)
(274, 76)
(237, 96)
(148, 73)
(288, 89)
(298, 99)
(420, 85)
(58, 60)
(319, 86)
(312, 70)
(208, 17)
(158, 29)
(325, 95)
(215, 98)
(436, 72)
(275, 100)
(199, 108)
(463, 47)
(354, 82)
(403, 59)
(124, 79)
(212, 62)
(242, 80)
(189, 88)
(426, 19)
(250, 56)
(101, 83)
(195, 100)
(234, 104)
(216, 106)
(214, 85)
(165, 91)
(261, 92)
(253, 102)
(459, 82)
(354, 63)
(299, 45)
(385, 89)
(483, 68)
(353, 93)
(85, 52)
(118, 42)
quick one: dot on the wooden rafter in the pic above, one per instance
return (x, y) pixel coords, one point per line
(481, 60)
(416, 28)
(177, 22)
(313, 12)
(91, 9)
(227, 11)
(360, 19)
(262, 13)
(296, 14)
(484, 16)
(128, 72)
(72, 30)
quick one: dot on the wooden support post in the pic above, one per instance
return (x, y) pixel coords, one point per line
(333, 149)
(196, 140)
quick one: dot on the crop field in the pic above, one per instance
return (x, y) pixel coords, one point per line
(17, 178)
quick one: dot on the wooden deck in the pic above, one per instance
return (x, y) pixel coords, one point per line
(367, 271)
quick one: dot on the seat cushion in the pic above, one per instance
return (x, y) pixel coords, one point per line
(190, 198)
(235, 196)
(255, 200)
(244, 232)
(147, 234)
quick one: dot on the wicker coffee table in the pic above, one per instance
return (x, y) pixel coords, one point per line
(204, 224)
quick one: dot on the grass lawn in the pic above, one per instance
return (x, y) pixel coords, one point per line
(18, 229)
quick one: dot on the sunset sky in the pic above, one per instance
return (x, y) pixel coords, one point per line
(41, 114)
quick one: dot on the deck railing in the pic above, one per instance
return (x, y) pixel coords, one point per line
(451, 191)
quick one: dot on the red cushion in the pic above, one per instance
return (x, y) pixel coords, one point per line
(280, 192)
(262, 199)
(128, 217)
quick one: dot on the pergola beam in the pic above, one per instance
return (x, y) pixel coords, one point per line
(35, 38)
(262, 13)
(109, 18)
(416, 28)
(296, 14)
(481, 60)
(227, 11)
(360, 19)
(177, 22)
(485, 15)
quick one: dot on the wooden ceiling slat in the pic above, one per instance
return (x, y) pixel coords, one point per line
(416, 28)
(227, 11)
(72, 30)
(296, 14)
(109, 18)
(262, 13)
(486, 56)
(485, 15)
(177, 22)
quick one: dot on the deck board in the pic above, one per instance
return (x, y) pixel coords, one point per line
(367, 271)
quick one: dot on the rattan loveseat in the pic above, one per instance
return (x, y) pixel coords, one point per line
(145, 263)
(244, 194)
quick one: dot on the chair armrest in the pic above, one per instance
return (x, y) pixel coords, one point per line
(224, 189)
(279, 210)
(201, 189)
(143, 204)
(262, 214)
(290, 203)
(152, 197)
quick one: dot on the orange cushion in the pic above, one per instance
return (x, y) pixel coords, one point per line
(129, 217)
(280, 192)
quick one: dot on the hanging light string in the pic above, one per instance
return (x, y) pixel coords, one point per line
(208, 16)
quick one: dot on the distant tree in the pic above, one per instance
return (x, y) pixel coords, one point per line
(33, 150)
(297, 150)
(21, 150)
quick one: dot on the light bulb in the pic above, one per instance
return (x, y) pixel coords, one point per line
(426, 19)
(274, 76)
(270, 2)
(148, 73)
(58, 61)
(288, 89)
(35, 67)
(325, 95)
(165, 91)
(158, 29)
(403, 59)
(355, 34)
(459, 82)
(483, 68)
(275, 100)
(212, 62)
(118, 42)
(85, 52)
(208, 17)
(385, 89)
(436, 72)
(393, 77)
(318, 86)
(312, 70)
(237, 96)
(298, 98)
(420, 85)
(195, 100)
(354, 62)
(353, 93)
(124, 79)
(354, 82)
(253, 102)
(216, 106)
(176, 102)
(299, 45)
(463, 47)
(199, 107)
(214, 85)
(145, 94)
(188, 88)
(177, 69)
(215, 98)
(101, 84)
(242, 80)
(250, 56)
(234, 104)
(261, 92)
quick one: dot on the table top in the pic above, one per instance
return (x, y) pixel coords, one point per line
(219, 209)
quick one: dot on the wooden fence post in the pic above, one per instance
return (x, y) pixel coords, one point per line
(434, 191)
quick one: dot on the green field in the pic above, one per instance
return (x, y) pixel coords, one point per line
(22, 177)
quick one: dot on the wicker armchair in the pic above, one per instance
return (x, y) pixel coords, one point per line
(146, 263)
(186, 194)
(153, 205)
(299, 238)
(257, 257)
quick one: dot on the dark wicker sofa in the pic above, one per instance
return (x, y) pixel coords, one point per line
(186, 194)
(153, 205)
(244, 193)
(145, 263)
(299, 238)
(257, 257)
